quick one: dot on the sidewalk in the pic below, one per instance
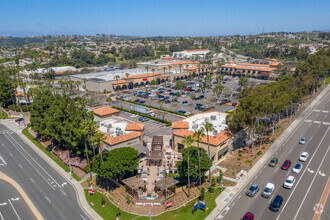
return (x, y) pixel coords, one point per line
(76, 185)
(230, 192)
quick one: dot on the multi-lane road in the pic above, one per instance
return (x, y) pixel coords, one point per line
(300, 201)
(50, 193)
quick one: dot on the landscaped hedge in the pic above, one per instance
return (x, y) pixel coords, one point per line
(168, 123)
(150, 106)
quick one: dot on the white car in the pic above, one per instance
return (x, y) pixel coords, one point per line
(297, 168)
(303, 140)
(303, 156)
(289, 182)
(134, 115)
(268, 190)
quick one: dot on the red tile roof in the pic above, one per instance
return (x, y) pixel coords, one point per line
(119, 139)
(105, 110)
(134, 127)
(19, 94)
(197, 50)
(141, 76)
(119, 82)
(185, 62)
(180, 125)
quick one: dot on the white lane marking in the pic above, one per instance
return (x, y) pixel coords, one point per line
(309, 170)
(14, 209)
(295, 187)
(3, 145)
(276, 169)
(32, 180)
(311, 138)
(317, 122)
(239, 196)
(82, 217)
(271, 199)
(307, 120)
(312, 182)
(317, 110)
(290, 150)
(322, 174)
(325, 123)
(1, 216)
(20, 165)
(2, 204)
(14, 199)
(4, 162)
(325, 111)
(48, 199)
(63, 184)
(10, 154)
(232, 205)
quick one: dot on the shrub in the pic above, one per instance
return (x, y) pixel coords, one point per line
(86, 169)
(18, 109)
(248, 161)
(240, 155)
(213, 182)
(259, 153)
(211, 189)
(263, 148)
(202, 195)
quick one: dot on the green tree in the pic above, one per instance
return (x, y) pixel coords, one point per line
(117, 163)
(243, 81)
(208, 127)
(7, 88)
(217, 90)
(179, 85)
(198, 137)
(147, 68)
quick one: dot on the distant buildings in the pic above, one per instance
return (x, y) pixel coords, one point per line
(262, 71)
(311, 48)
(188, 54)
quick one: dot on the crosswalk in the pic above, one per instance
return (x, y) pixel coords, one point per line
(317, 122)
(323, 111)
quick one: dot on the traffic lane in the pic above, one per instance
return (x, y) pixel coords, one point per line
(300, 178)
(290, 149)
(318, 155)
(11, 204)
(42, 184)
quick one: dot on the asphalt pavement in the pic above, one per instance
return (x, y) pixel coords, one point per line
(47, 189)
(300, 201)
(11, 204)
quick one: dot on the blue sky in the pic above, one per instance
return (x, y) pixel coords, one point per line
(162, 17)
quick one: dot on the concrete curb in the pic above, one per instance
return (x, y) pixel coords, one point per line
(26, 199)
(75, 184)
(231, 192)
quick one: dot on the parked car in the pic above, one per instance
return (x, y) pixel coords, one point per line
(254, 188)
(303, 156)
(234, 103)
(181, 111)
(184, 102)
(174, 100)
(167, 101)
(142, 101)
(297, 168)
(137, 100)
(303, 140)
(143, 119)
(276, 203)
(134, 115)
(273, 162)
(248, 216)
(268, 190)
(286, 165)
(289, 182)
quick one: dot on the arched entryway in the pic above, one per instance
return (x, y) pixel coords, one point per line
(177, 78)
(117, 88)
(130, 85)
(142, 84)
(163, 80)
(147, 83)
(136, 85)
(158, 81)
(124, 87)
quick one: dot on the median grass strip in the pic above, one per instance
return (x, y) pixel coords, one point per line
(57, 160)
(4, 115)
(327, 80)
(101, 204)
(168, 123)
(150, 106)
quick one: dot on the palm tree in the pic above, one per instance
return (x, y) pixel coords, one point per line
(84, 80)
(187, 141)
(117, 77)
(198, 137)
(126, 74)
(208, 127)
(147, 68)
(164, 68)
(78, 83)
(109, 100)
(153, 70)
(180, 66)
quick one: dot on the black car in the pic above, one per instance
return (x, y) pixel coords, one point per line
(143, 119)
(276, 203)
(167, 101)
(137, 100)
(142, 101)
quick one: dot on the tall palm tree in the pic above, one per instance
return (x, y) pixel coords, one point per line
(187, 141)
(153, 70)
(84, 80)
(180, 66)
(198, 137)
(127, 74)
(208, 127)
(147, 68)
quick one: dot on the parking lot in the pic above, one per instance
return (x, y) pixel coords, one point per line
(165, 96)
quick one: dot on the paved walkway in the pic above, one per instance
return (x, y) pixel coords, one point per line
(26, 199)
(319, 209)
(230, 192)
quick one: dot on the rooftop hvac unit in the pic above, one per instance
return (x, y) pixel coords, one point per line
(109, 125)
(213, 117)
(119, 133)
(215, 132)
(206, 120)
(102, 124)
(108, 130)
(194, 126)
(118, 129)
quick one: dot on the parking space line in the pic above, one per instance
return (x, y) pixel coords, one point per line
(1, 216)
(14, 209)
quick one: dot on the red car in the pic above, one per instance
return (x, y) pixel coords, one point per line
(186, 89)
(248, 216)
(286, 165)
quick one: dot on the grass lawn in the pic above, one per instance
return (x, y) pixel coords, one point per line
(57, 160)
(109, 211)
(327, 80)
(185, 212)
(4, 115)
